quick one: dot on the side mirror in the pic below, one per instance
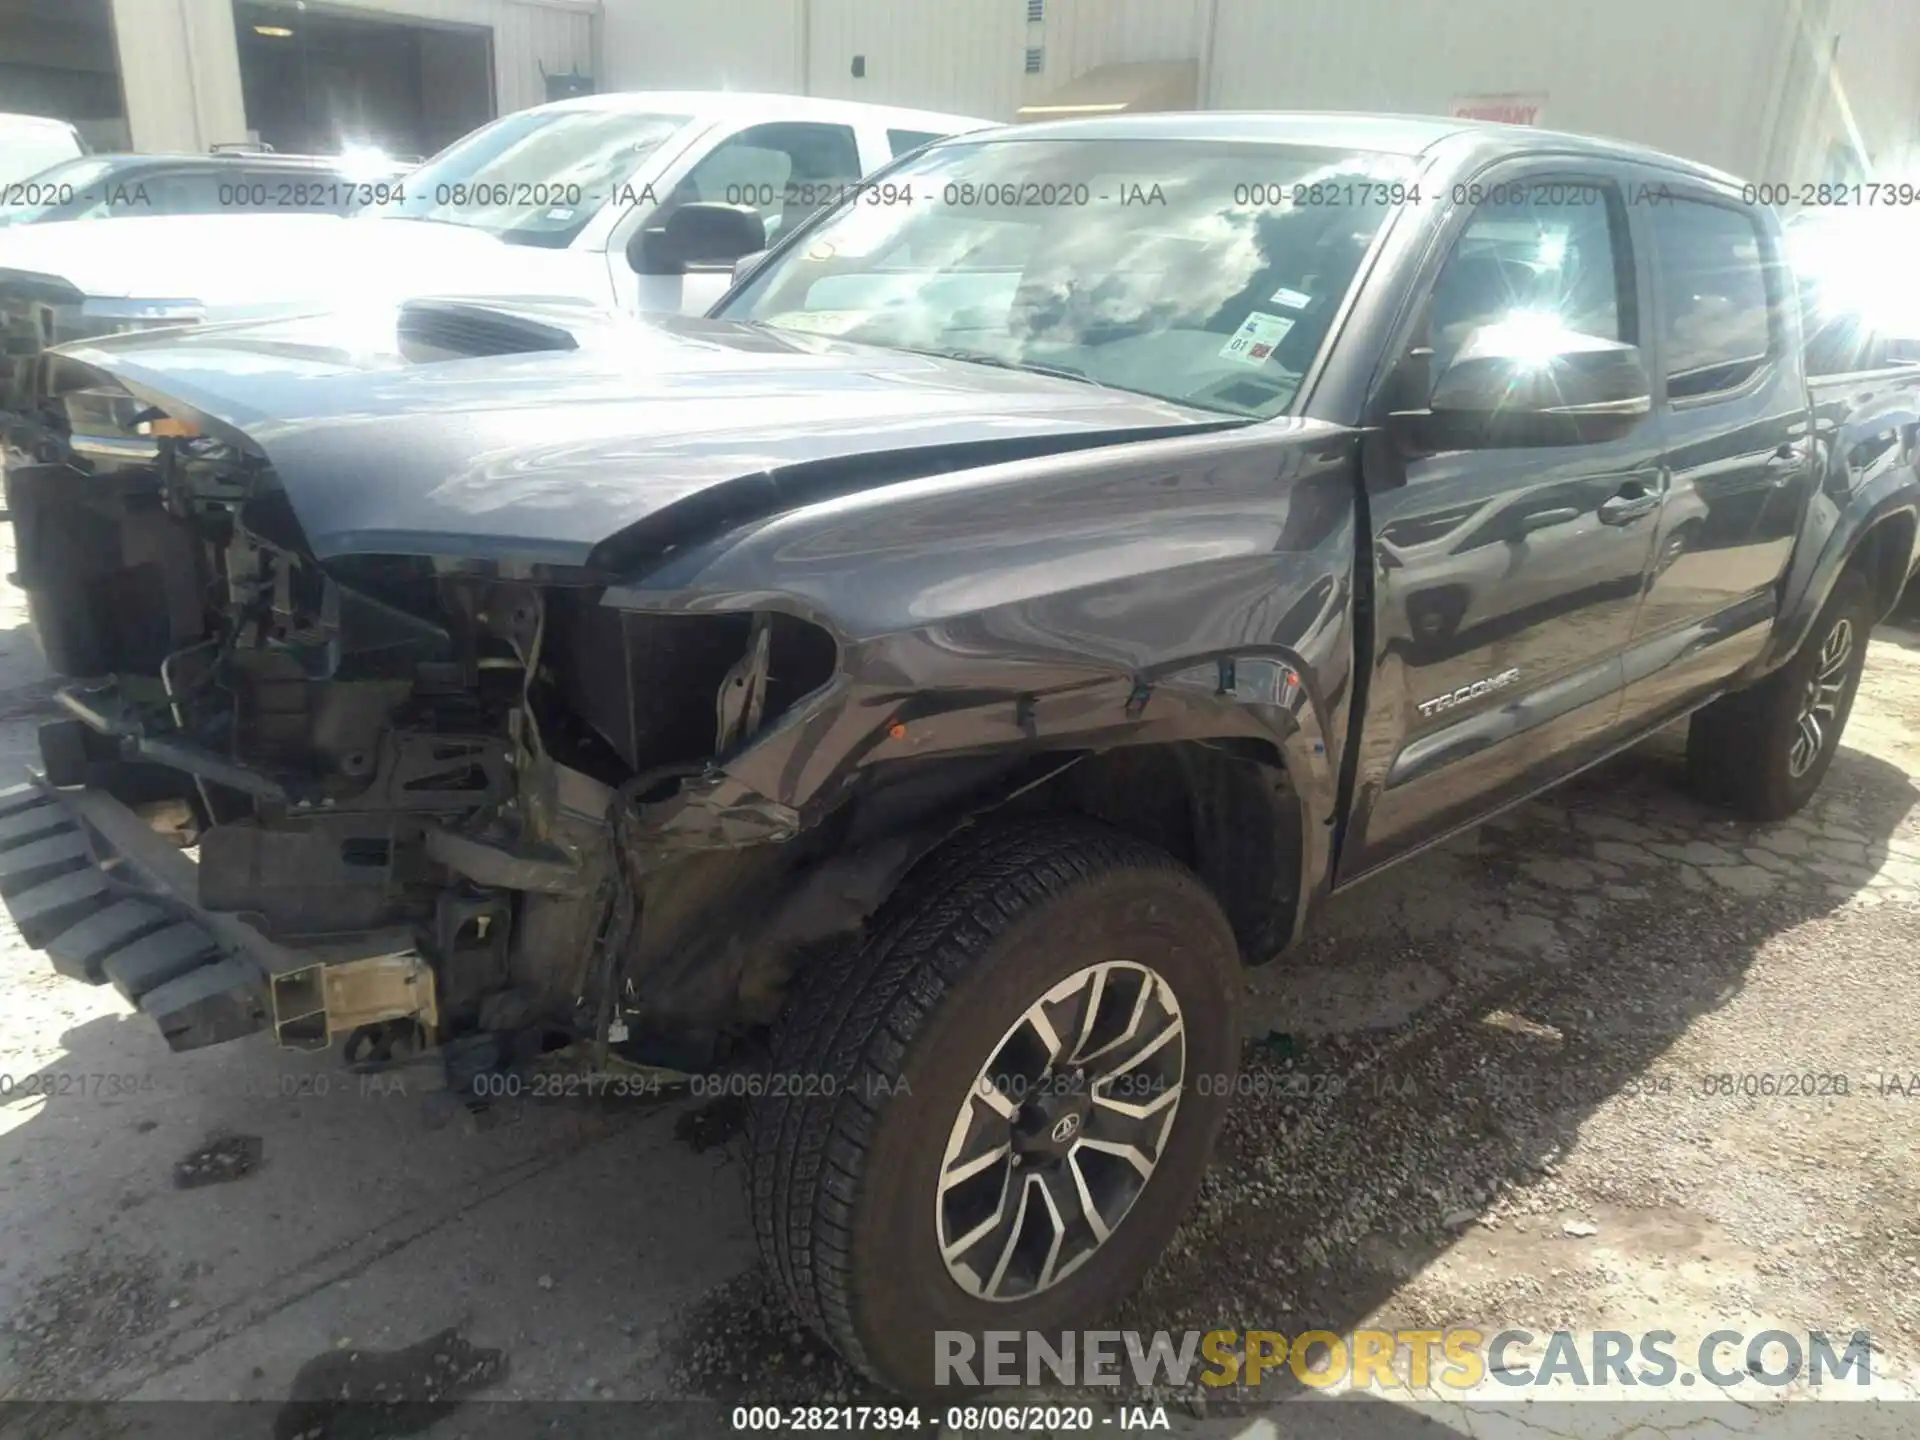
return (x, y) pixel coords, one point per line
(701, 232)
(744, 266)
(1522, 384)
(1903, 351)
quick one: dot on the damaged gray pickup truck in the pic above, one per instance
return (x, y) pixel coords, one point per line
(926, 681)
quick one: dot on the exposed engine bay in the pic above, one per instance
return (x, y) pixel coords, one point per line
(444, 801)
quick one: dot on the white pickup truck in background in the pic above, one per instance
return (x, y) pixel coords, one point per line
(543, 202)
(567, 201)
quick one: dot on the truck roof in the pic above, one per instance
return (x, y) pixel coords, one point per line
(227, 159)
(1354, 130)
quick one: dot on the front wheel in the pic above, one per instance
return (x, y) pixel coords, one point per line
(992, 1112)
(1764, 751)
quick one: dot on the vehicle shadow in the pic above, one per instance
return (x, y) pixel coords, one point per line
(1424, 1064)
(1418, 1073)
(1901, 630)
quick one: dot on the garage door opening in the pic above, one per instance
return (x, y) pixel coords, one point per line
(57, 58)
(318, 81)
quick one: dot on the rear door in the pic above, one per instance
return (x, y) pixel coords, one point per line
(1733, 403)
(1506, 580)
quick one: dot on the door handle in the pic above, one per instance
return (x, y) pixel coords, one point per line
(1544, 519)
(1786, 464)
(1629, 505)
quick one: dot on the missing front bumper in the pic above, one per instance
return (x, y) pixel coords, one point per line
(112, 901)
(106, 896)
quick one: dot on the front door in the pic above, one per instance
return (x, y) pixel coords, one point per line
(1505, 580)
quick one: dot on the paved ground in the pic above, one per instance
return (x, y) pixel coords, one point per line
(1486, 1094)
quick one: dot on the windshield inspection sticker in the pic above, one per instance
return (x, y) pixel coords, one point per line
(1253, 342)
(1292, 299)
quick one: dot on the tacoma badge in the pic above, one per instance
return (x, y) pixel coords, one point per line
(1468, 692)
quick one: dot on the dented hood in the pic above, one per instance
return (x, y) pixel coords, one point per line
(596, 438)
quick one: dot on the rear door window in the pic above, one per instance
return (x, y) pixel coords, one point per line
(901, 141)
(1716, 311)
(173, 192)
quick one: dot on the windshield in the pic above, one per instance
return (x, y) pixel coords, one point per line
(1199, 272)
(63, 187)
(28, 146)
(536, 177)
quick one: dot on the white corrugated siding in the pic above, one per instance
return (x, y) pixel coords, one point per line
(1083, 35)
(1724, 81)
(958, 55)
(180, 73)
(721, 44)
(962, 55)
(1698, 77)
(1878, 65)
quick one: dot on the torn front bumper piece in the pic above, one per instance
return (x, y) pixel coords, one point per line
(106, 897)
(112, 901)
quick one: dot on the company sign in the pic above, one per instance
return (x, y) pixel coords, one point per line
(1506, 109)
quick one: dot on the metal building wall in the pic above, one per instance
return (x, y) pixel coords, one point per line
(1700, 77)
(1874, 111)
(1084, 34)
(958, 55)
(715, 44)
(180, 73)
(1744, 84)
(962, 55)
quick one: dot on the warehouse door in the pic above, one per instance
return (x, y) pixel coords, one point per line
(318, 80)
(57, 58)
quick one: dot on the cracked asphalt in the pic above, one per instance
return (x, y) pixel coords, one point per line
(1611, 1063)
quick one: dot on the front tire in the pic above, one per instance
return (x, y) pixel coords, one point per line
(1764, 751)
(1052, 979)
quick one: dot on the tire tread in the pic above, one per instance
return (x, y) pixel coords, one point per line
(853, 1020)
(1734, 744)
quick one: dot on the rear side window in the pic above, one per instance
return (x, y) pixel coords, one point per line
(171, 192)
(1715, 302)
(901, 141)
(302, 190)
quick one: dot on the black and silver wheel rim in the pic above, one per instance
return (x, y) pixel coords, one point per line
(1061, 1131)
(1820, 705)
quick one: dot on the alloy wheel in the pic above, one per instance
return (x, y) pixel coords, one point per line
(1820, 705)
(1061, 1130)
